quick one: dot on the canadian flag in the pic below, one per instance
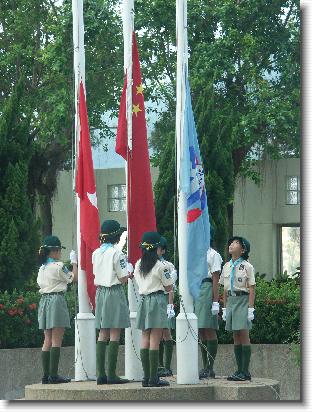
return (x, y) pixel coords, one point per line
(86, 190)
(141, 210)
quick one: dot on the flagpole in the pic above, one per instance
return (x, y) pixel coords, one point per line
(186, 322)
(133, 367)
(85, 320)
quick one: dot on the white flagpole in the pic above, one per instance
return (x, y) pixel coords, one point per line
(85, 320)
(186, 325)
(133, 366)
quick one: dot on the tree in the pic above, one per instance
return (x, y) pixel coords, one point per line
(19, 230)
(244, 75)
(36, 37)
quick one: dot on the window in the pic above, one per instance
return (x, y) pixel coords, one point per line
(292, 190)
(290, 249)
(116, 198)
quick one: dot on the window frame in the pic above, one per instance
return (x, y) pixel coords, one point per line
(119, 198)
(280, 246)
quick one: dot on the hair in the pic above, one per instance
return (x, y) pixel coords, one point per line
(43, 254)
(109, 238)
(148, 261)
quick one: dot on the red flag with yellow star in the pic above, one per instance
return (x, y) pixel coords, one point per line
(140, 202)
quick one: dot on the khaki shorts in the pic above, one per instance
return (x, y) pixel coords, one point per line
(237, 313)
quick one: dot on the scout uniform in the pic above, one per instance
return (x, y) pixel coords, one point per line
(152, 310)
(166, 346)
(236, 277)
(111, 310)
(206, 320)
(53, 278)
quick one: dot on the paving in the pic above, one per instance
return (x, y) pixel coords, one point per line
(219, 389)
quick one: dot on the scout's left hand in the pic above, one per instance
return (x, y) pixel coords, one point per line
(170, 311)
(130, 270)
(73, 257)
(215, 308)
(251, 315)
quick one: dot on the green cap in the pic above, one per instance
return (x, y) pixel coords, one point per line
(163, 242)
(150, 240)
(52, 242)
(111, 227)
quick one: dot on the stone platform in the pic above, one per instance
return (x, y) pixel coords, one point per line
(218, 389)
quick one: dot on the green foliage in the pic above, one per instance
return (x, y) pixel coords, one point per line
(19, 239)
(19, 320)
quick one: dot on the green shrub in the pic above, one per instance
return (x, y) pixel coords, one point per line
(18, 320)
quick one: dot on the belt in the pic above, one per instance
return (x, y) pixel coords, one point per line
(53, 293)
(237, 293)
(207, 280)
(158, 292)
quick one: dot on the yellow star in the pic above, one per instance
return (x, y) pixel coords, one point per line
(139, 89)
(136, 109)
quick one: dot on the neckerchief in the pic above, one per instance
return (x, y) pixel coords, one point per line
(233, 265)
(105, 246)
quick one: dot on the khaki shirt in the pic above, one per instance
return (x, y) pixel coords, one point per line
(244, 276)
(109, 266)
(54, 277)
(214, 262)
(155, 280)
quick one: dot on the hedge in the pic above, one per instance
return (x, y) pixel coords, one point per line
(277, 316)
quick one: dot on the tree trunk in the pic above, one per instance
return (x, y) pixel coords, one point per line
(45, 211)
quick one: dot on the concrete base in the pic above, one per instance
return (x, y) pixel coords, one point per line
(218, 389)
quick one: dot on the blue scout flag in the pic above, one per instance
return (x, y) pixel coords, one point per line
(192, 183)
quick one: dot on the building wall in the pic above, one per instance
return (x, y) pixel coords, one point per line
(259, 211)
(64, 209)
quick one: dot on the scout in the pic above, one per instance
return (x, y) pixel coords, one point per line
(166, 344)
(207, 309)
(238, 278)
(111, 311)
(153, 279)
(53, 316)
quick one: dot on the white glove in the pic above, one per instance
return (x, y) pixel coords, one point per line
(170, 311)
(251, 315)
(73, 257)
(223, 313)
(130, 267)
(215, 308)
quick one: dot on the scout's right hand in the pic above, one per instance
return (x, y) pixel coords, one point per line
(130, 270)
(223, 313)
(170, 311)
(73, 257)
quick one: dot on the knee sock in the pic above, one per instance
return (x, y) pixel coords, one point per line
(238, 357)
(45, 360)
(153, 361)
(100, 358)
(145, 362)
(168, 353)
(246, 352)
(54, 360)
(113, 347)
(161, 353)
(204, 354)
(212, 346)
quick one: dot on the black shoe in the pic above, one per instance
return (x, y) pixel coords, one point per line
(116, 380)
(247, 376)
(45, 380)
(158, 382)
(58, 379)
(165, 372)
(145, 382)
(101, 380)
(203, 373)
(211, 373)
(233, 376)
(241, 377)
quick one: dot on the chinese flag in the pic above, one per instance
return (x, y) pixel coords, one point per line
(141, 210)
(86, 190)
